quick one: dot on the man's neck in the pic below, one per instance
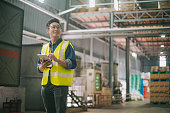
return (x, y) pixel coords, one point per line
(53, 40)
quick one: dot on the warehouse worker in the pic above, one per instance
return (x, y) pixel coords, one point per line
(57, 70)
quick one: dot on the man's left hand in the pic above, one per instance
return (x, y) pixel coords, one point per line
(52, 57)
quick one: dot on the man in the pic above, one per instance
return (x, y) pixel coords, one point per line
(57, 70)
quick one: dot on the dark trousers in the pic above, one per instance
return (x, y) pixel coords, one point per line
(54, 98)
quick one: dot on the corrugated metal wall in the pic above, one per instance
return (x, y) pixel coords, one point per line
(11, 26)
(34, 20)
(122, 65)
(30, 78)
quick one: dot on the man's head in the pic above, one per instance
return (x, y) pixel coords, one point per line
(53, 28)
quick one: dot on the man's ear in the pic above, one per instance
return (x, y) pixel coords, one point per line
(47, 30)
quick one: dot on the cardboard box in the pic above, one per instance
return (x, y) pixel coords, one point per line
(164, 76)
(154, 76)
(154, 68)
(163, 69)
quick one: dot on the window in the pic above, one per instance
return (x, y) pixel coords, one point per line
(162, 61)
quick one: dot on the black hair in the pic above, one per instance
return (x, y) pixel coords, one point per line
(51, 21)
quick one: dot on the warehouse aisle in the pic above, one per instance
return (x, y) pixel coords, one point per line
(129, 107)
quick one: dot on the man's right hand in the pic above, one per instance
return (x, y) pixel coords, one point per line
(44, 64)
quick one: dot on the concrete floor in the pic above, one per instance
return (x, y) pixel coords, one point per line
(129, 107)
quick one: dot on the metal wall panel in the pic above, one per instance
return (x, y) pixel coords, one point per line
(31, 78)
(98, 48)
(33, 99)
(11, 18)
(34, 20)
(121, 65)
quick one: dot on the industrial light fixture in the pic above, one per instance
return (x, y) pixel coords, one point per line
(162, 61)
(161, 52)
(163, 35)
(42, 1)
(134, 55)
(91, 3)
(162, 45)
(116, 4)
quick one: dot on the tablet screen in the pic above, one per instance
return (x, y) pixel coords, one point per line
(41, 56)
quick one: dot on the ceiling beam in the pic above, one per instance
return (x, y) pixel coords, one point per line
(146, 41)
(114, 30)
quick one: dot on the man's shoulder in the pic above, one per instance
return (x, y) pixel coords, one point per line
(45, 44)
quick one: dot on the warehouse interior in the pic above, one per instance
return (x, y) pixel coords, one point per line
(122, 51)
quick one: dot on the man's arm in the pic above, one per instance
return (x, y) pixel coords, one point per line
(70, 57)
(60, 61)
(69, 62)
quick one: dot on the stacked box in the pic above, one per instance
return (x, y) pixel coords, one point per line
(106, 91)
(164, 76)
(154, 68)
(160, 86)
(127, 6)
(159, 92)
(163, 4)
(154, 76)
(164, 69)
(105, 98)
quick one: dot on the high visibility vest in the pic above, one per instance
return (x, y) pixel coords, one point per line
(59, 75)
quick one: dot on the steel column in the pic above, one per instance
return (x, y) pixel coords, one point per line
(127, 67)
(111, 54)
(91, 49)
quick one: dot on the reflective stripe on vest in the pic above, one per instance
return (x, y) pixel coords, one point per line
(45, 73)
(45, 48)
(62, 50)
(59, 74)
(62, 74)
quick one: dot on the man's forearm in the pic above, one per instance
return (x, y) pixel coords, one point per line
(62, 62)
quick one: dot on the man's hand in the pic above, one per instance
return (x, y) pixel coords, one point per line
(44, 64)
(52, 57)
(60, 61)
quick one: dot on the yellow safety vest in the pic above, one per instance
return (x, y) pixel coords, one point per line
(59, 75)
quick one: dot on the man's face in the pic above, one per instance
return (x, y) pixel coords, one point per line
(54, 30)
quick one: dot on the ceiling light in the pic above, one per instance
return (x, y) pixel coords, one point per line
(134, 55)
(162, 45)
(91, 3)
(161, 52)
(163, 36)
(42, 1)
(116, 4)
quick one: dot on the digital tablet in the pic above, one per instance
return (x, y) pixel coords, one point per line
(41, 56)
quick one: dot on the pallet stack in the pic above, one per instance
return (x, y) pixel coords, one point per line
(159, 85)
(105, 99)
